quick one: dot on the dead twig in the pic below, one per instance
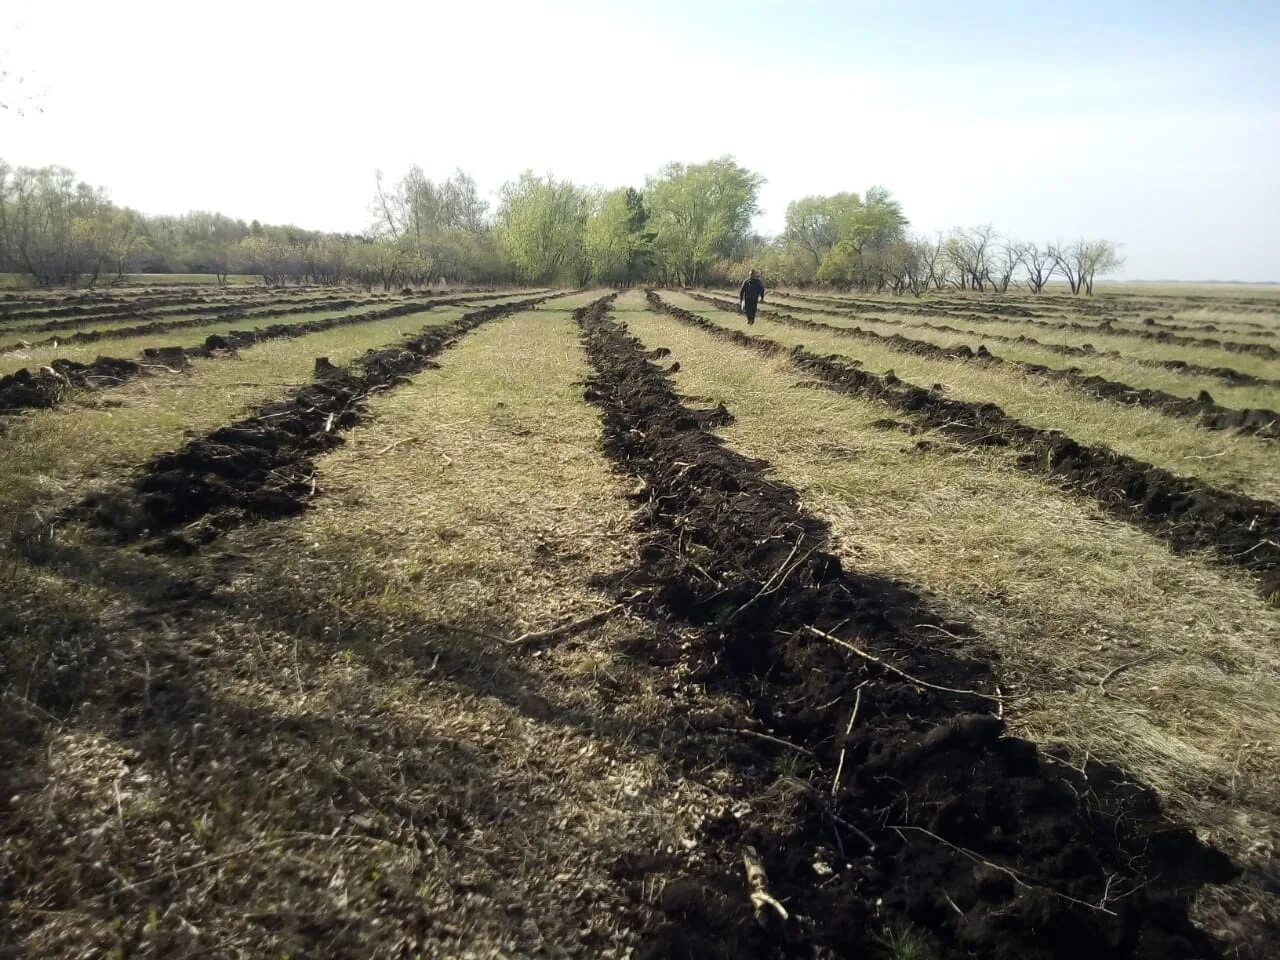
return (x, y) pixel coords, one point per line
(775, 582)
(768, 738)
(758, 887)
(892, 669)
(538, 636)
(1025, 884)
(825, 805)
(857, 702)
(393, 444)
(1102, 684)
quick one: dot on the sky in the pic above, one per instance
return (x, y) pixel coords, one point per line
(1152, 124)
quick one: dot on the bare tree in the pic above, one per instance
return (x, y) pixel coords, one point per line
(1039, 265)
(1066, 261)
(969, 253)
(929, 258)
(1005, 264)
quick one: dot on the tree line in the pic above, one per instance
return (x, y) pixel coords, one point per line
(689, 224)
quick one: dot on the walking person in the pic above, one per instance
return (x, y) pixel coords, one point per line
(752, 292)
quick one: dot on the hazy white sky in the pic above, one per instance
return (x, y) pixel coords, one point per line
(1155, 124)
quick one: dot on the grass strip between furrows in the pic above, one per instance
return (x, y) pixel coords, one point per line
(263, 465)
(881, 789)
(281, 747)
(103, 307)
(1203, 410)
(162, 323)
(1119, 651)
(1104, 328)
(50, 458)
(1223, 459)
(1187, 513)
(1175, 376)
(1238, 368)
(223, 312)
(159, 300)
(52, 384)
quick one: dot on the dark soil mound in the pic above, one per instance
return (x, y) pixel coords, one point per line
(1203, 410)
(1188, 514)
(939, 820)
(47, 386)
(263, 466)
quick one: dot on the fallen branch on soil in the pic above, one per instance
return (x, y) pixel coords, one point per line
(775, 582)
(845, 644)
(758, 887)
(539, 636)
(1025, 884)
(768, 739)
(857, 702)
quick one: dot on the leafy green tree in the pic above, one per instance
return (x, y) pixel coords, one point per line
(50, 223)
(616, 243)
(699, 214)
(377, 261)
(834, 234)
(812, 224)
(206, 242)
(126, 240)
(542, 228)
(1081, 261)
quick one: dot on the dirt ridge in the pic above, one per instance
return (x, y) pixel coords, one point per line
(1006, 309)
(1105, 328)
(50, 385)
(262, 466)
(929, 779)
(1204, 411)
(214, 313)
(1186, 513)
(1228, 375)
(159, 325)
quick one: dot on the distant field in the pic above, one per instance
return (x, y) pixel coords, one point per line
(1176, 289)
(461, 624)
(17, 281)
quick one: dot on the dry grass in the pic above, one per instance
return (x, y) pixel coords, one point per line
(1243, 463)
(183, 337)
(1060, 593)
(332, 752)
(340, 772)
(266, 299)
(47, 457)
(1136, 347)
(1113, 368)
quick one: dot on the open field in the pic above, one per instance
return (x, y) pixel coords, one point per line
(17, 281)
(515, 623)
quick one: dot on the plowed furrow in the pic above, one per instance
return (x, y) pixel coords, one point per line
(936, 819)
(1187, 513)
(1106, 329)
(262, 466)
(1228, 375)
(51, 385)
(210, 312)
(1264, 424)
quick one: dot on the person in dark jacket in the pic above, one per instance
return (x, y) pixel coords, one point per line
(752, 292)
